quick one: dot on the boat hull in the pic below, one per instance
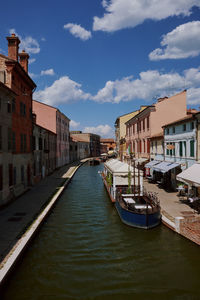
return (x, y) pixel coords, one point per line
(145, 221)
(108, 189)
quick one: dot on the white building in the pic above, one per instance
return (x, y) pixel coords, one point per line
(180, 141)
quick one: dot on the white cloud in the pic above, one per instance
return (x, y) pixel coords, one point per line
(78, 31)
(31, 60)
(28, 43)
(194, 96)
(121, 14)
(102, 130)
(32, 75)
(149, 86)
(74, 124)
(182, 42)
(2, 51)
(62, 90)
(43, 39)
(47, 72)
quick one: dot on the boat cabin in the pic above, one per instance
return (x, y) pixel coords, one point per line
(123, 178)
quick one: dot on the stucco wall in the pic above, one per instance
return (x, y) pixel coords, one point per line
(181, 136)
(167, 111)
(198, 142)
(45, 115)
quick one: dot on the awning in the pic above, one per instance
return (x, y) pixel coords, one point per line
(169, 167)
(165, 166)
(152, 163)
(190, 175)
(159, 167)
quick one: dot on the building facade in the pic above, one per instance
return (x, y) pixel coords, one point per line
(6, 145)
(79, 149)
(91, 138)
(107, 145)
(157, 147)
(51, 118)
(178, 151)
(14, 74)
(198, 137)
(180, 140)
(120, 132)
(149, 122)
(44, 152)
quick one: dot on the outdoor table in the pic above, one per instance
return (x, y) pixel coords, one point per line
(181, 190)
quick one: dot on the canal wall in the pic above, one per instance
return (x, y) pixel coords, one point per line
(187, 226)
(190, 228)
(8, 263)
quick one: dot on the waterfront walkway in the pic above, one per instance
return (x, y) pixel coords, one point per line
(176, 214)
(18, 215)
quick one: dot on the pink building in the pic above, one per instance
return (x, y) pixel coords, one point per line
(52, 119)
(149, 122)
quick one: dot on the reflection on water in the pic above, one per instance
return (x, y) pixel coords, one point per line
(84, 252)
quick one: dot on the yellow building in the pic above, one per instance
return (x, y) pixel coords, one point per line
(120, 132)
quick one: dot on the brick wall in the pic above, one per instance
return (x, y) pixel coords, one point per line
(190, 228)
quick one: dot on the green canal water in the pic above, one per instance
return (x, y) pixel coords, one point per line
(83, 251)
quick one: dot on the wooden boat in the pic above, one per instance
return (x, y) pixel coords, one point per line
(135, 206)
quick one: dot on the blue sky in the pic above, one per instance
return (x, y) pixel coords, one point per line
(97, 60)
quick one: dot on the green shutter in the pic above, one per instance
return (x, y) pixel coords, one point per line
(180, 149)
(170, 151)
(185, 150)
(167, 149)
(192, 148)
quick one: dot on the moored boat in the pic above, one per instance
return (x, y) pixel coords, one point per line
(135, 206)
(139, 211)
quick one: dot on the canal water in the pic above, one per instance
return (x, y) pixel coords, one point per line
(83, 251)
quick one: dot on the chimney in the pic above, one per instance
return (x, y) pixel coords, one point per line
(23, 59)
(13, 46)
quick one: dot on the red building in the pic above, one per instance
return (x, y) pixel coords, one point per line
(14, 74)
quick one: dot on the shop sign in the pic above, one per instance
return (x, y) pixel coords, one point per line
(170, 147)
